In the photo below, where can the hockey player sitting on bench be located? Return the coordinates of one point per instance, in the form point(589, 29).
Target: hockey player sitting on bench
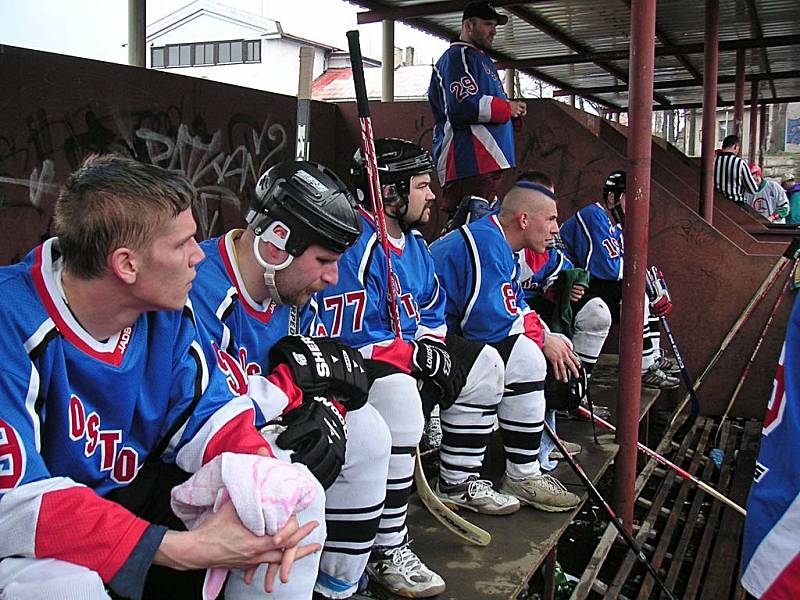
point(588, 325)
point(478, 267)
point(594, 241)
point(246, 294)
point(108, 403)
point(356, 310)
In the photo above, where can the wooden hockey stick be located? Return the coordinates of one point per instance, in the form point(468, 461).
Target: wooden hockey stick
point(593, 491)
point(671, 465)
point(761, 293)
point(746, 372)
point(458, 525)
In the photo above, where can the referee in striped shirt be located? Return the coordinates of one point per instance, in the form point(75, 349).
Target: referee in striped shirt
point(732, 177)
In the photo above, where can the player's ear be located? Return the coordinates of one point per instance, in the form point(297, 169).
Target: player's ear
point(124, 264)
point(271, 253)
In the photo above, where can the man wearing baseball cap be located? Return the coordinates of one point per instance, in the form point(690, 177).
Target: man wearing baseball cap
point(473, 138)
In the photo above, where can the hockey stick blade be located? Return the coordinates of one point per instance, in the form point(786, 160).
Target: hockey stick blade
point(458, 525)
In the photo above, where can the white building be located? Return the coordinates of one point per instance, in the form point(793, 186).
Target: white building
point(214, 41)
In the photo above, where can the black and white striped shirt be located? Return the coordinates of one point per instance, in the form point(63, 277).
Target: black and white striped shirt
point(732, 177)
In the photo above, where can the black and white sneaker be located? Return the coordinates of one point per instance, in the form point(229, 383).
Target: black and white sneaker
point(477, 495)
point(668, 365)
point(656, 378)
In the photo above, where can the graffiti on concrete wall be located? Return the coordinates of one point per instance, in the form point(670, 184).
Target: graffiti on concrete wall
point(223, 163)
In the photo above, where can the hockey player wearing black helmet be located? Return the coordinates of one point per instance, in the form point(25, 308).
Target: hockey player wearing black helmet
point(253, 290)
point(404, 170)
point(614, 196)
point(594, 240)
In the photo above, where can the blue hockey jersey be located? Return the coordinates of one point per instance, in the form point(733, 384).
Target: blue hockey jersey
point(594, 243)
point(79, 417)
point(473, 133)
point(356, 308)
point(480, 274)
point(237, 331)
point(541, 269)
point(771, 551)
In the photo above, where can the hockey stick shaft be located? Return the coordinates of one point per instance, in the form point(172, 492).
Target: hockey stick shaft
point(447, 517)
point(669, 464)
point(751, 360)
point(760, 294)
point(303, 142)
point(637, 550)
point(654, 281)
point(371, 166)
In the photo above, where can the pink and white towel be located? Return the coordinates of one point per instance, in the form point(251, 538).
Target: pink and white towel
point(265, 491)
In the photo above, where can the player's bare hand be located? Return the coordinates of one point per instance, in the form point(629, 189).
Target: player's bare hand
point(559, 352)
point(576, 293)
point(223, 541)
point(518, 108)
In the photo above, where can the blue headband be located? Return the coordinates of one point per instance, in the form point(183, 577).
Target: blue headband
point(536, 187)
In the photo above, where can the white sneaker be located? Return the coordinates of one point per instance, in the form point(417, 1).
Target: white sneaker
point(401, 572)
point(544, 492)
point(477, 495)
point(654, 377)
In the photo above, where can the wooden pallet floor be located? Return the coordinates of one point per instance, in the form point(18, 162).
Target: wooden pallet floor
point(692, 539)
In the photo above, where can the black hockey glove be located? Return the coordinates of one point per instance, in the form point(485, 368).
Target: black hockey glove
point(432, 363)
point(321, 365)
point(317, 435)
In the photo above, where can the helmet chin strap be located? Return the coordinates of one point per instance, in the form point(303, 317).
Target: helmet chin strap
point(270, 236)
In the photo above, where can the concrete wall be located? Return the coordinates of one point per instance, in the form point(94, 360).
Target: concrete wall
point(58, 110)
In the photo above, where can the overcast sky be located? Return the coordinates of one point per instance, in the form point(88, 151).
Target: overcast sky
point(98, 28)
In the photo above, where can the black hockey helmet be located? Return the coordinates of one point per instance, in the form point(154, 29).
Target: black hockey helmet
point(615, 183)
point(311, 201)
point(565, 396)
point(398, 161)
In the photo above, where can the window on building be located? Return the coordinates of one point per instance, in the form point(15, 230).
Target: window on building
point(253, 51)
point(205, 53)
point(157, 58)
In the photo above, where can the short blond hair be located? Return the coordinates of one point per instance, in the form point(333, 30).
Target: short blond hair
point(113, 202)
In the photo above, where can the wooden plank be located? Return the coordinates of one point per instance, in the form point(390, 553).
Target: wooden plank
point(589, 576)
point(692, 520)
point(646, 527)
point(672, 520)
point(520, 542)
point(722, 569)
point(712, 521)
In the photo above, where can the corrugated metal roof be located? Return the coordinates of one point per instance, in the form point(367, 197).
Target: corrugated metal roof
point(543, 29)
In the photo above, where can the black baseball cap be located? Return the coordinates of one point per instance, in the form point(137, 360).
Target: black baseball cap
point(483, 10)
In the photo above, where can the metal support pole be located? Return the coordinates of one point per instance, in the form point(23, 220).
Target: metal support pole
point(762, 134)
point(693, 132)
point(136, 33)
point(738, 100)
point(637, 209)
point(550, 574)
point(508, 82)
point(387, 66)
point(710, 65)
point(753, 121)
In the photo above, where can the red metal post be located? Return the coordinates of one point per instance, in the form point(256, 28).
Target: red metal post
point(753, 121)
point(637, 209)
point(762, 134)
point(710, 64)
point(738, 100)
